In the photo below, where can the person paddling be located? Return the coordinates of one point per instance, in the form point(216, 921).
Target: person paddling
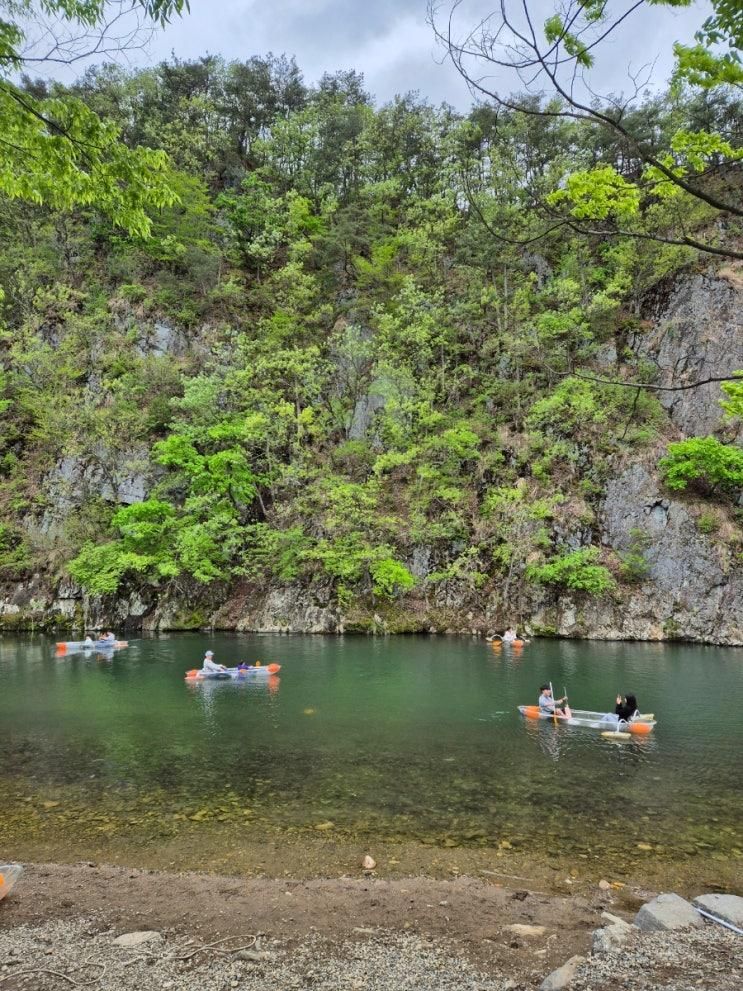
point(550, 705)
point(210, 665)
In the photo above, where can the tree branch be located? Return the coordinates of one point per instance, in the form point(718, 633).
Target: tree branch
point(650, 385)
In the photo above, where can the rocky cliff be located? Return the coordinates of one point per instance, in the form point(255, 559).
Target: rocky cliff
point(690, 586)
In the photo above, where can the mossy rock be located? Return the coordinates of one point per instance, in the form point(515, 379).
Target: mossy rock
point(543, 631)
point(38, 622)
point(358, 621)
point(196, 619)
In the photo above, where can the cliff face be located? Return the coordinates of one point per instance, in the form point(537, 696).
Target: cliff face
point(691, 585)
point(697, 333)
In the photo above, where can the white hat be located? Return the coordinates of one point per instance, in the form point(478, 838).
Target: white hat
point(209, 653)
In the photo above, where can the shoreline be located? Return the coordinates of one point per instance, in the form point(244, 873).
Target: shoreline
point(464, 908)
point(40, 629)
point(307, 858)
point(363, 933)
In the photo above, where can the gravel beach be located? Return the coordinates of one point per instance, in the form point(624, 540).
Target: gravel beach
point(59, 929)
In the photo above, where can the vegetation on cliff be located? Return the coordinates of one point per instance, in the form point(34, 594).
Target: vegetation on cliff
point(342, 349)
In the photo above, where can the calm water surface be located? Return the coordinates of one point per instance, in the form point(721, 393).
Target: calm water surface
point(407, 739)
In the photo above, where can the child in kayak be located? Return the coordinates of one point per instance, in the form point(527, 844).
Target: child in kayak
point(550, 705)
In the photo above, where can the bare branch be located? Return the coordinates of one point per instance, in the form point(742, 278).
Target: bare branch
point(649, 385)
point(523, 52)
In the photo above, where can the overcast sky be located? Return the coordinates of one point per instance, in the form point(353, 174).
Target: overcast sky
point(391, 43)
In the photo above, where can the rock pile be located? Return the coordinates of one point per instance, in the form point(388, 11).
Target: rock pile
point(669, 934)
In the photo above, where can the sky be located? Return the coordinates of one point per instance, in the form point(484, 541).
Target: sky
point(391, 42)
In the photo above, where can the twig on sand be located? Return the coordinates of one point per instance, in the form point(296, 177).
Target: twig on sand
point(512, 877)
point(216, 948)
point(58, 973)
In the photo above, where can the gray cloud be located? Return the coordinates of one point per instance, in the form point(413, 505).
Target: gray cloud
point(391, 43)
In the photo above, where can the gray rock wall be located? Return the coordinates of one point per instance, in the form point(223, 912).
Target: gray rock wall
point(693, 589)
point(697, 334)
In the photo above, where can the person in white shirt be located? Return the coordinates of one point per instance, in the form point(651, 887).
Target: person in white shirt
point(549, 705)
point(210, 665)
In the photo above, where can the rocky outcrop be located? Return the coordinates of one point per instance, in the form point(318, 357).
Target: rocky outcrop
point(697, 333)
point(288, 609)
point(667, 912)
point(693, 587)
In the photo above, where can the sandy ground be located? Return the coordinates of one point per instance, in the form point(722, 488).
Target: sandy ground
point(472, 912)
point(354, 933)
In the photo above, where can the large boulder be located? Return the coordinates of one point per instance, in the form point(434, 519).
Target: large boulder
point(667, 912)
point(729, 908)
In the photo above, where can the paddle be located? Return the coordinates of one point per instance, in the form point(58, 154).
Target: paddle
point(554, 706)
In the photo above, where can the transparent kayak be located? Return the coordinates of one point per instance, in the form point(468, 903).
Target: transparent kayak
point(72, 646)
point(234, 674)
point(9, 874)
point(642, 724)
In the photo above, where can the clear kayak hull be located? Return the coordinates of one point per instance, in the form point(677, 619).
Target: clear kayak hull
point(592, 720)
point(234, 674)
point(72, 646)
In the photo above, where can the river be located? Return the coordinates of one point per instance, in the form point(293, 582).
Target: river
point(407, 744)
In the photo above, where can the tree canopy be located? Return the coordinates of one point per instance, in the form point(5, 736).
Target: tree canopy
point(684, 172)
point(318, 367)
point(54, 149)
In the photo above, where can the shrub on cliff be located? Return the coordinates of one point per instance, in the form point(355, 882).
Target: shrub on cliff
point(576, 570)
point(705, 463)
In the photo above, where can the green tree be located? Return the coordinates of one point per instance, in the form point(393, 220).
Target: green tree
point(55, 150)
point(690, 170)
point(575, 570)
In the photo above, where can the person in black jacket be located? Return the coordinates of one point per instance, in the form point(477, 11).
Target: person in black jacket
point(627, 708)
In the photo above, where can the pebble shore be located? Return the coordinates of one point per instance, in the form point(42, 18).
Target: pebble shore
point(77, 953)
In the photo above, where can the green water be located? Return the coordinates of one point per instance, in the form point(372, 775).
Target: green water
point(399, 740)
